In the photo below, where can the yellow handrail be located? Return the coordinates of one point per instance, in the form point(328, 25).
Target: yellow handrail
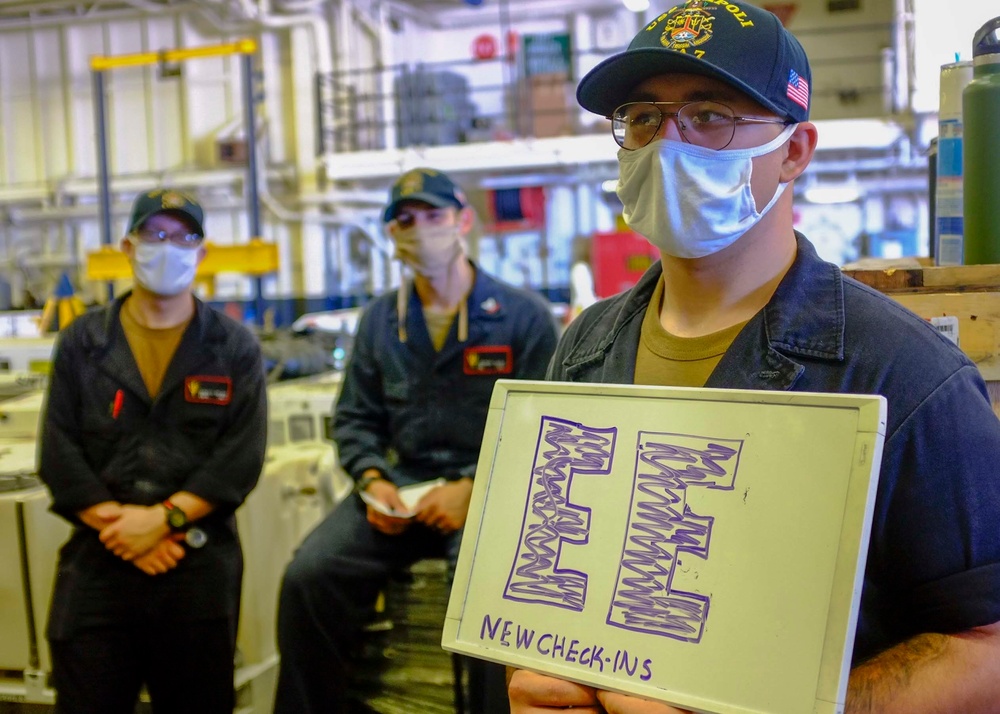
point(244, 46)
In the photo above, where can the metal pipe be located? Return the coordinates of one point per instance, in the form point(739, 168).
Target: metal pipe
point(21, 24)
point(85, 213)
point(508, 68)
point(184, 179)
point(103, 182)
point(253, 205)
point(524, 10)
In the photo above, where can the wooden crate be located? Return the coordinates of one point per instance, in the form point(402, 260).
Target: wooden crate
point(970, 293)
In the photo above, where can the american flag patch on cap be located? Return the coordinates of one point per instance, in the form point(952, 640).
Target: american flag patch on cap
point(798, 89)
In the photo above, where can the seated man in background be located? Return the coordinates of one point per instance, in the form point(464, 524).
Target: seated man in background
point(153, 434)
point(412, 409)
point(710, 107)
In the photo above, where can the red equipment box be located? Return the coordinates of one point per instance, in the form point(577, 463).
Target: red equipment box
point(618, 259)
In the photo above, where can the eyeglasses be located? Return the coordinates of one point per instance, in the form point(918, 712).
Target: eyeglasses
point(431, 216)
point(707, 124)
point(184, 240)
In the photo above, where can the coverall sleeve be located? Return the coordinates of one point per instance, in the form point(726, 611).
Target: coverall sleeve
point(360, 418)
point(62, 465)
point(232, 470)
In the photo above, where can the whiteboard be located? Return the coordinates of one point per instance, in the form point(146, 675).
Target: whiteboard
point(701, 547)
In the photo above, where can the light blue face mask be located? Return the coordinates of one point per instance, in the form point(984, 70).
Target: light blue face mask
point(690, 201)
point(163, 268)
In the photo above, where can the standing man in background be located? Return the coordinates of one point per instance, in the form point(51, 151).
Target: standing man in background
point(153, 434)
point(412, 409)
point(710, 107)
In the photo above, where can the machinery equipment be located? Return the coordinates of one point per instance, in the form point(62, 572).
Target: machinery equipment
point(30, 537)
point(26, 354)
point(301, 410)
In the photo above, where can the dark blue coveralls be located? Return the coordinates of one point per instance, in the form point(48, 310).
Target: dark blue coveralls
point(112, 627)
point(416, 415)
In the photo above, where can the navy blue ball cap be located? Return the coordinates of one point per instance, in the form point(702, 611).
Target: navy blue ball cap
point(735, 42)
point(427, 185)
point(166, 200)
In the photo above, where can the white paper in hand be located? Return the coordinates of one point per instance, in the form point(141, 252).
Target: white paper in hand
point(409, 495)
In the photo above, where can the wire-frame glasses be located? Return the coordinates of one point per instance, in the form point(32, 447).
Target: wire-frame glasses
point(711, 125)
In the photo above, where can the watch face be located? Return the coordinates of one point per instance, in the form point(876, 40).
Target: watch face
point(176, 518)
point(196, 538)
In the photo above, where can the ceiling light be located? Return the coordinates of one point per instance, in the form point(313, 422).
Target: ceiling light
point(636, 5)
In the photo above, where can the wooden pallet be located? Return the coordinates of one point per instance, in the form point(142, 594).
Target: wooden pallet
point(970, 293)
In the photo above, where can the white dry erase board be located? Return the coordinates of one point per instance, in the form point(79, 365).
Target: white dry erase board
point(697, 546)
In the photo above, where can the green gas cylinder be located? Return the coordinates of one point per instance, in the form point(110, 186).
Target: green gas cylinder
point(981, 157)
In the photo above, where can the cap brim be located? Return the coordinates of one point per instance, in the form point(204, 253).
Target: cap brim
point(609, 84)
point(184, 215)
point(431, 198)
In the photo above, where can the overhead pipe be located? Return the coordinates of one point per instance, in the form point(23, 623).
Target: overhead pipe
point(321, 50)
point(291, 6)
point(358, 197)
point(526, 10)
point(73, 186)
point(29, 23)
point(287, 215)
point(24, 217)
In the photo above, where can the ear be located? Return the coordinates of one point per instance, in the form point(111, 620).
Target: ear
point(126, 247)
point(202, 252)
point(466, 219)
point(801, 147)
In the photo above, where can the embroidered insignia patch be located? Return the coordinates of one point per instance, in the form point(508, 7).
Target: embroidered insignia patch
point(208, 390)
point(173, 199)
point(688, 27)
point(413, 182)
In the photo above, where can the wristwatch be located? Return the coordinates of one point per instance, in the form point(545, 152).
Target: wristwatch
point(366, 481)
point(176, 518)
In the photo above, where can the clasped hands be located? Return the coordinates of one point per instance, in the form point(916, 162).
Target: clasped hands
point(443, 508)
point(533, 693)
point(136, 534)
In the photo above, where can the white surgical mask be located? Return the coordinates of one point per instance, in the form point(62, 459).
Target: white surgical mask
point(429, 250)
point(163, 268)
point(690, 201)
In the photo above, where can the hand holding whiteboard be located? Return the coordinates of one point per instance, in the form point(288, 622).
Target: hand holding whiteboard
point(699, 547)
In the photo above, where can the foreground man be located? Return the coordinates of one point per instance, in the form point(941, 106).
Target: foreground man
point(709, 105)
